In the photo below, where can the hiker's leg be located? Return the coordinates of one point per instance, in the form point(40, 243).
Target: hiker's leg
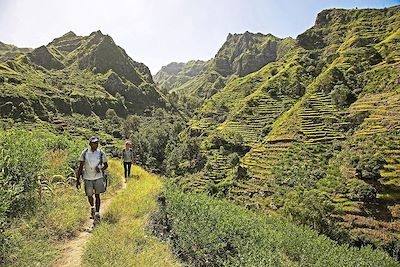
point(125, 169)
point(91, 201)
point(97, 202)
point(129, 168)
point(89, 191)
point(99, 188)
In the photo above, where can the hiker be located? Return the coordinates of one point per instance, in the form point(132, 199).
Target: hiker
point(93, 163)
point(127, 159)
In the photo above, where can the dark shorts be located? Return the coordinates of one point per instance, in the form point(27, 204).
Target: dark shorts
point(94, 187)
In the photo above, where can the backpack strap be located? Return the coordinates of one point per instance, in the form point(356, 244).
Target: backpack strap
point(101, 156)
point(84, 154)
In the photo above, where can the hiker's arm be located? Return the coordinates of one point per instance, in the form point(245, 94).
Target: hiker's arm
point(78, 174)
point(79, 171)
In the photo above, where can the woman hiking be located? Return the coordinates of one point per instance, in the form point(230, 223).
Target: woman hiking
point(127, 159)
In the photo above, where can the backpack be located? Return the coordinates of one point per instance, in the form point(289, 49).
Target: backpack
point(105, 178)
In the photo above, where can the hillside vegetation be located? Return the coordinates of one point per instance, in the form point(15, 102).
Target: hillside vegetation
point(312, 135)
point(206, 231)
point(76, 75)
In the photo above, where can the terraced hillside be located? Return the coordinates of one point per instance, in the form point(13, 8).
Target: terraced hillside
point(317, 129)
point(75, 75)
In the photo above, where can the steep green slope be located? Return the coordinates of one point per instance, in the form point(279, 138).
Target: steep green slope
point(76, 75)
point(314, 135)
point(175, 74)
point(240, 55)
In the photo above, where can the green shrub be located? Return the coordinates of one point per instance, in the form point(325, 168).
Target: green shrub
point(360, 190)
point(369, 166)
point(310, 207)
point(209, 232)
point(21, 163)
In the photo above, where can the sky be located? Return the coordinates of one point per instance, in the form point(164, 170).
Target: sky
point(157, 32)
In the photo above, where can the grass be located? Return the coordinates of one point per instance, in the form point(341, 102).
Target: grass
point(122, 238)
point(34, 238)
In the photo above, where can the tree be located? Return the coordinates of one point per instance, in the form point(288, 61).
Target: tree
point(369, 166)
point(342, 96)
point(309, 207)
point(130, 125)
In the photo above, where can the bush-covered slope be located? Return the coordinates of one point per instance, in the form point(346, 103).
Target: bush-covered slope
point(75, 74)
point(206, 231)
point(314, 134)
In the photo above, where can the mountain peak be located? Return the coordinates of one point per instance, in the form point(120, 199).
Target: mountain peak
point(97, 33)
point(69, 34)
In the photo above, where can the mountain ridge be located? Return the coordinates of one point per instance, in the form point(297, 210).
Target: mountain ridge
point(75, 74)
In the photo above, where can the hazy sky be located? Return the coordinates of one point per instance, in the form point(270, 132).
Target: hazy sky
point(157, 32)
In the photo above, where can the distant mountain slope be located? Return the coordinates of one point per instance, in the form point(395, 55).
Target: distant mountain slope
point(9, 51)
point(76, 74)
point(320, 124)
point(175, 74)
point(240, 55)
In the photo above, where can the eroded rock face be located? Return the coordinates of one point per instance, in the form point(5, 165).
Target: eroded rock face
point(245, 53)
point(114, 84)
point(41, 56)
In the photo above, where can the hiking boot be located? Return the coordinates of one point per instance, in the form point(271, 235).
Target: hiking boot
point(92, 211)
point(97, 218)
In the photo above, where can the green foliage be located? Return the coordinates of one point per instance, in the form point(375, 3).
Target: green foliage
point(360, 190)
point(34, 165)
point(150, 141)
point(309, 207)
point(369, 166)
point(22, 162)
point(130, 125)
point(183, 158)
point(302, 165)
point(207, 231)
point(342, 96)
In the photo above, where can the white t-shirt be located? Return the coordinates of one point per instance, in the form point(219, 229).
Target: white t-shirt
point(92, 159)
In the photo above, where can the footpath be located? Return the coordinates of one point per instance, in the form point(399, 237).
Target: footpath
point(123, 237)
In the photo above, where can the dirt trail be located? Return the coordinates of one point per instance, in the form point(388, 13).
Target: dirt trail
point(73, 249)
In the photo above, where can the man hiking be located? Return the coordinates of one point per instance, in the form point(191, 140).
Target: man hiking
point(93, 163)
point(127, 159)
